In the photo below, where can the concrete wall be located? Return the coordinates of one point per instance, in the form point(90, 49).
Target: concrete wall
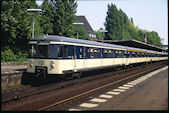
point(11, 80)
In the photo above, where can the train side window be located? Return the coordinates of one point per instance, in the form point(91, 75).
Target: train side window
point(116, 54)
point(96, 53)
point(99, 53)
point(63, 51)
point(125, 54)
point(128, 54)
point(136, 54)
point(122, 54)
point(60, 54)
point(119, 53)
point(108, 53)
point(79, 52)
point(70, 51)
point(142, 54)
point(104, 53)
point(87, 52)
point(112, 53)
point(91, 52)
point(132, 54)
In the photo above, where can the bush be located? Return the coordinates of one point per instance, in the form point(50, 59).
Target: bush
point(21, 56)
point(7, 55)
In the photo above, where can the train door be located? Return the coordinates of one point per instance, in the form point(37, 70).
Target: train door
point(128, 57)
point(79, 61)
point(74, 57)
point(84, 57)
point(125, 57)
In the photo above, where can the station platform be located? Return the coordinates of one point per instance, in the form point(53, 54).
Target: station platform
point(12, 68)
point(150, 92)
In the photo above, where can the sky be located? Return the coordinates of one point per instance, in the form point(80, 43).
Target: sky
point(150, 15)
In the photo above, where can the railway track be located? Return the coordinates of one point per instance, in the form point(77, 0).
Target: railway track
point(75, 95)
point(29, 91)
point(93, 91)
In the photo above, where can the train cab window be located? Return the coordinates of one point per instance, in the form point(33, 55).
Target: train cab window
point(42, 51)
point(52, 51)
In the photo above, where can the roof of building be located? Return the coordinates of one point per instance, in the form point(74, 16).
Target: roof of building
point(136, 44)
point(80, 41)
point(86, 25)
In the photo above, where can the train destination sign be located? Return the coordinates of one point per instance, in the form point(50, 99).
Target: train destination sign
point(43, 43)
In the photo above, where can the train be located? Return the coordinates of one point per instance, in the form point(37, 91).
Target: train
point(59, 55)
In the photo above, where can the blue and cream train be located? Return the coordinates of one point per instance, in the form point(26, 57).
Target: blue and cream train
point(53, 54)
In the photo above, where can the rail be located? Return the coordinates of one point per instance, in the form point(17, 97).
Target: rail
point(65, 101)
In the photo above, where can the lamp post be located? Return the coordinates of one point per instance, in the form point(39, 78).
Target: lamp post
point(33, 10)
point(77, 27)
point(104, 31)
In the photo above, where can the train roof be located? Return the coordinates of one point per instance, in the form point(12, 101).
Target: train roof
point(80, 41)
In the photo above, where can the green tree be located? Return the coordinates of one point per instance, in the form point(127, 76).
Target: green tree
point(100, 35)
point(81, 33)
point(47, 17)
point(153, 38)
point(16, 26)
point(64, 17)
point(120, 27)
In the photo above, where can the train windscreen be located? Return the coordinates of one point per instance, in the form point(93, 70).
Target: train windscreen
point(46, 51)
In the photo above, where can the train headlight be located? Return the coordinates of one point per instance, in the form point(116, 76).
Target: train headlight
point(51, 64)
point(31, 63)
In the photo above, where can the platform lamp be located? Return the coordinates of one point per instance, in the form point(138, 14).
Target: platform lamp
point(104, 31)
point(77, 27)
point(33, 10)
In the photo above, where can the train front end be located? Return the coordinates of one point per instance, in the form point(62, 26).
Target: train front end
point(42, 59)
